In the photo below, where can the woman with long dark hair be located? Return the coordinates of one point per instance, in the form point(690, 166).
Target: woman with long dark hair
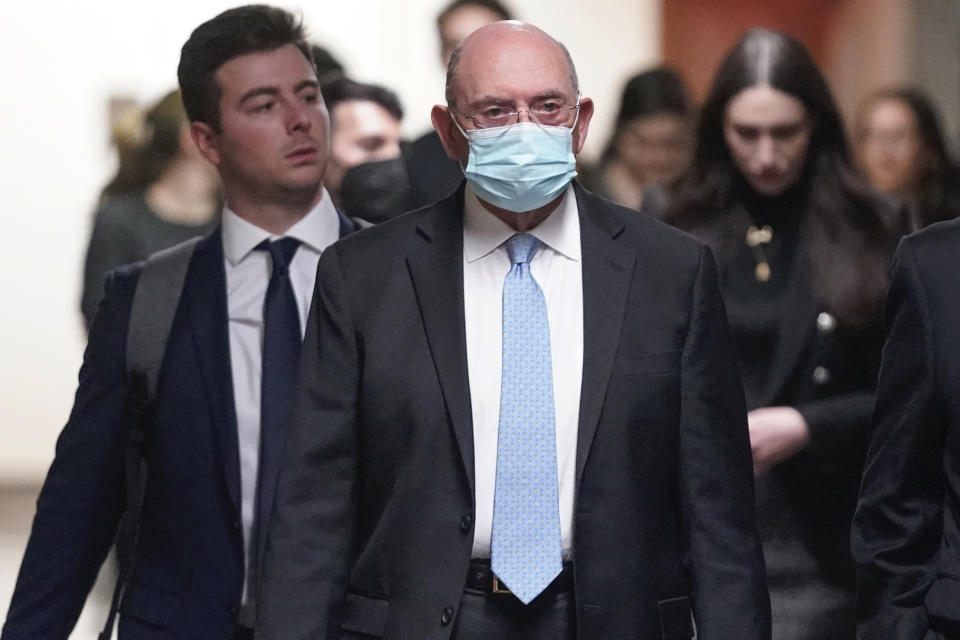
point(163, 193)
point(802, 246)
point(651, 143)
point(901, 149)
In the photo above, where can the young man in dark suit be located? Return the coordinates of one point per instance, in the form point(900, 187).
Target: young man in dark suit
point(906, 531)
point(519, 416)
point(223, 397)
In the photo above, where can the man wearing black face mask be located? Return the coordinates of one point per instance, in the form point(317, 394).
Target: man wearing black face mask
point(365, 128)
point(374, 192)
point(524, 423)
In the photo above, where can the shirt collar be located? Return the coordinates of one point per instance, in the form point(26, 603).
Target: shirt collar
point(484, 232)
point(317, 230)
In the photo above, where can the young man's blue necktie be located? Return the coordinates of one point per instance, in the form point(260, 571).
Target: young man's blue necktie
point(281, 354)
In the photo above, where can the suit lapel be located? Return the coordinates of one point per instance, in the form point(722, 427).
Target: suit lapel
point(607, 273)
point(436, 268)
point(205, 293)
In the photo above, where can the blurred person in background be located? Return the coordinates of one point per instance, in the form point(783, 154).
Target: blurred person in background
point(213, 433)
point(164, 192)
point(900, 148)
point(433, 174)
point(376, 191)
point(802, 246)
point(652, 143)
point(329, 68)
point(365, 138)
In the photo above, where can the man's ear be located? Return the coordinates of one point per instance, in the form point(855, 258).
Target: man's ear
point(205, 138)
point(583, 124)
point(186, 144)
point(451, 138)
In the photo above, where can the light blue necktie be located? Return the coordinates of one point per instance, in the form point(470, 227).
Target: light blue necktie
point(525, 546)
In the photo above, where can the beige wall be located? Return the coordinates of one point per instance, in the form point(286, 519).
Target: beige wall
point(936, 60)
point(871, 44)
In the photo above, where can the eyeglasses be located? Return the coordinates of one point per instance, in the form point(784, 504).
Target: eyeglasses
point(550, 112)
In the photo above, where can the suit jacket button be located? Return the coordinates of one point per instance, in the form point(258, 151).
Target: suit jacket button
point(446, 616)
point(232, 612)
point(466, 521)
point(826, 323)
point(821, 375)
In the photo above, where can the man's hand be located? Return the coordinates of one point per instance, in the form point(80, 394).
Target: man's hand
point(776, 433)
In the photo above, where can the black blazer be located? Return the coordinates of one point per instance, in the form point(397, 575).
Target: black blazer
point(189, 561)
point(906, 533)
point(373, 525)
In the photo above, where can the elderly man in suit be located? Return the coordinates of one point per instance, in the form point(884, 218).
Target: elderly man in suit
point(906, 531)
point(518, 416)
point(223, 397)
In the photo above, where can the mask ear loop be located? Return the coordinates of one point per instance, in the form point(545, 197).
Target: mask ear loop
point(457, 124)
point(576, 116)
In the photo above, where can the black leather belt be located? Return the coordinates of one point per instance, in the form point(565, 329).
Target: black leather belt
point(481, 578)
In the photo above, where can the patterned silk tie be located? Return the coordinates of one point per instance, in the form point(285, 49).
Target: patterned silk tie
point(525, 546)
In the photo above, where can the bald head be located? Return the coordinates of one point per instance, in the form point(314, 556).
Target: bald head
point(509, 68)
point(509, 49)
point(507, 73)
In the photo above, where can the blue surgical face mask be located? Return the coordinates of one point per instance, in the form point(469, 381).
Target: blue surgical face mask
point(520, 167)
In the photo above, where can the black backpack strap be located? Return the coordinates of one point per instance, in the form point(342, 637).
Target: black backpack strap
point(155, 303)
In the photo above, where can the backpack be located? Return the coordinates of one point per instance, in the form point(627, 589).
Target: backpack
point(155, 303)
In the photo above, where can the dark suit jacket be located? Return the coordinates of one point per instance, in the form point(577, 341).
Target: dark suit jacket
point(189, 561)
point(906, 534)
point(374, 512)
point(433, 174)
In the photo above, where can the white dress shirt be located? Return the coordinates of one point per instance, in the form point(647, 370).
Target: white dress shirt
point(248, 274)
point(556, 267)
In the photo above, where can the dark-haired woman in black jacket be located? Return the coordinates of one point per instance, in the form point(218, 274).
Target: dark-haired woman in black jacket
point(803, 248)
